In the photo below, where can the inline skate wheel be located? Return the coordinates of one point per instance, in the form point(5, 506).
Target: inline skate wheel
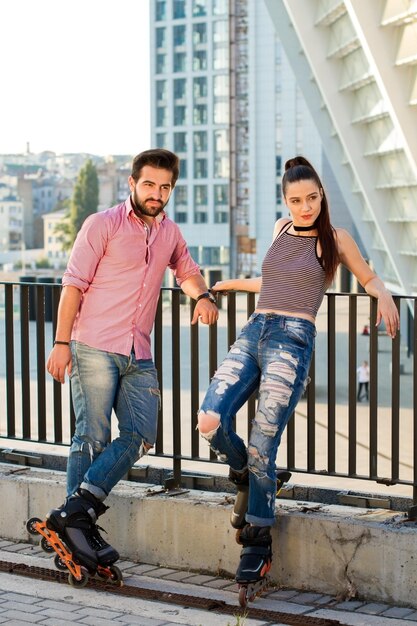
point(116, 576)
point(243, 597)
point(78, 583)
point(30, 525)
point(60, 564)
point(46, 547)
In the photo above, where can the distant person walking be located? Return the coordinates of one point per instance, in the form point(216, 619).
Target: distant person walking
point(111, 289)
point(363, 381)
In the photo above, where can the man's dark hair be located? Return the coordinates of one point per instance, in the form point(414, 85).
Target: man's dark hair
point(157, 157)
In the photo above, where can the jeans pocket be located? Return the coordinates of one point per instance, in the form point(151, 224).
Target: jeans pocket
point(299, 332)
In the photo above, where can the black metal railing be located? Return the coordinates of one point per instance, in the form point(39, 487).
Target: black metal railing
point(331, 433)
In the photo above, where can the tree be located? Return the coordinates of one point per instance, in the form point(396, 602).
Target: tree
point(84, 201)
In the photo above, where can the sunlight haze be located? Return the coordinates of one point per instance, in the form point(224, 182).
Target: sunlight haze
point(75, 76)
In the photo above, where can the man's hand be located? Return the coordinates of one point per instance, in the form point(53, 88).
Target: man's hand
point(59, 361)
point(205, 311)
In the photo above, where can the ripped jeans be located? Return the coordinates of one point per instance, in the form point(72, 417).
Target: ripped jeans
point(100, 382)
point(271, 355)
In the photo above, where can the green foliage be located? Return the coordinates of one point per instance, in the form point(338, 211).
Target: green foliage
point(84, 201)
point(43, 263)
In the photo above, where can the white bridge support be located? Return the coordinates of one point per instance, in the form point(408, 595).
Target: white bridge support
point(357, 65)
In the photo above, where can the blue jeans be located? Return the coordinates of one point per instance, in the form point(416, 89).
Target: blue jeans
point(273, 355)
point(100, 382)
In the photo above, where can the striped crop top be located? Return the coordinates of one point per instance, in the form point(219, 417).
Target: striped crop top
point(293, 278)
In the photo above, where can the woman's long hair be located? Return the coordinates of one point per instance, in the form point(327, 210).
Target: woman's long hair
point(297, 169)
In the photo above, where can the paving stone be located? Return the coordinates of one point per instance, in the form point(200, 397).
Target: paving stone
point(218, 583)
point(12, 605)
point(143, 568)
point(306, 598)
point(22, 618)
point(51, 621)
point(200, 579)
point(55, 604)
point(349, 605)
point(141, 620)
point(17, 547)
point(179, 575)
point(103, 613)
point(283, 594)
point(412, 617)
point(98, 621)
point(398, 611)
point(374, 608)
point(161, 572)
point(331, 600)
point(18, 597)
point(62, 614)
point(4, 543)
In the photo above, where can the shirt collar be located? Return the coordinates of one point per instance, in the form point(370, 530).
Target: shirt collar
point(129, 209)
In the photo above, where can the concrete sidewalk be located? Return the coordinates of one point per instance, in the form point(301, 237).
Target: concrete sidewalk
point(26, 600)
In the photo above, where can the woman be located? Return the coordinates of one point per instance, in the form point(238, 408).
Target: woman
point(273, 352)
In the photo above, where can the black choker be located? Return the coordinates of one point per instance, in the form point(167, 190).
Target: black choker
point(303, 228)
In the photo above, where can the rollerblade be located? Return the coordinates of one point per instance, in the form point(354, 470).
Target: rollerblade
point(241, 480)
point(255, 562)
point(72, 533)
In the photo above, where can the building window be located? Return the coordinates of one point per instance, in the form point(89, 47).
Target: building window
point(161, 116)
point(278, 165)
point(161, 10)
point(200, 141)
point(200, 33)
point(221, 113)
point(200, 87)
point(221, 85)
point(161, 63)
point(201, 196)
point(160, 37)
point(179, 61)
point(181, 217)
point(179, 115)
point(179, 35)
point(221, 31)
point(279, 193)
point(161, 140)
point(221, 204)
point(200, 217)
point(200, 168)
point(161, 90)
point(220, 7)
point(220, 56)
point(199, 8)
point(221, 141)
point(199, 60)
point(180, 142)
point(179, 9)
point(180, 88)
point(184, 168)
point(221, 167)
point(200, 114)
point(181, 197)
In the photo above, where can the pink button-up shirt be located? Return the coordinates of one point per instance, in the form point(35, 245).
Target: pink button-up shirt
point(119, 266)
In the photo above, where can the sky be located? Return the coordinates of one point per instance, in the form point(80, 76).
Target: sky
point(74, 76)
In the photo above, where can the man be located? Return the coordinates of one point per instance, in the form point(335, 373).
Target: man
point(107, 308)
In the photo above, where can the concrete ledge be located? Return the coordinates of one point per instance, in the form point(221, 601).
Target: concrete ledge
point(340, 550)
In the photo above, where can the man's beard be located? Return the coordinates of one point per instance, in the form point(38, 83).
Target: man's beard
point(142, 209)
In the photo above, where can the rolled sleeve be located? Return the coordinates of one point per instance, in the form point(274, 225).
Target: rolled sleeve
point(182, 264)
point(88, 249)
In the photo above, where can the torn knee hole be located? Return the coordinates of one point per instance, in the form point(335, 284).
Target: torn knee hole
point(208, 423)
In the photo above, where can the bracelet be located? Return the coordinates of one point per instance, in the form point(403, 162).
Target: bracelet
point(207, 295)
point(61, 343)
